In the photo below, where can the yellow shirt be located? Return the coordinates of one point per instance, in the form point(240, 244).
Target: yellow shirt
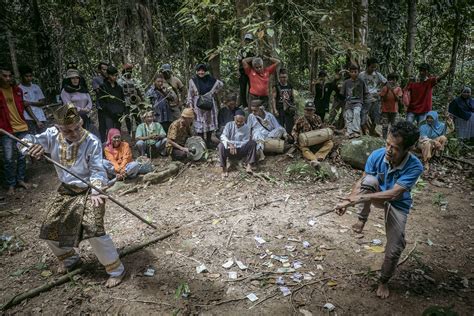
point(16, 122)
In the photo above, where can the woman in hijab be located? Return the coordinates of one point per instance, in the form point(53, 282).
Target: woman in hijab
point(432, 138)
point(76, 93)
point(462, 108)
point(201, 98)
point(118, 160)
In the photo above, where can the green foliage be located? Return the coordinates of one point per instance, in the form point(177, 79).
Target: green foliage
point(301, 170)
point(182, 290)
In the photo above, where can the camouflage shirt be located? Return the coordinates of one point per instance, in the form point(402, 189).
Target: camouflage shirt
point(303, 125)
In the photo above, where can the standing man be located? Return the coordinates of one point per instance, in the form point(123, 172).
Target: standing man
point(97, 81)
point(390, 174)
point(12, 121)
point(112, 100)
point(77, 213)
point(284, 101)
point(259, 77)
point(246, 51)
point(33, 97)
point(374, 80)
point(323, 90)
point(132, 94)
point(355, 93)
point(173, 82)
point(421, 93)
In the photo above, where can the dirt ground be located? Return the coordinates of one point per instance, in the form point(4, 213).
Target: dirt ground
point(220, 220)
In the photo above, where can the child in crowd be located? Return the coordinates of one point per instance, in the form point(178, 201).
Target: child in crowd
point(391, 95)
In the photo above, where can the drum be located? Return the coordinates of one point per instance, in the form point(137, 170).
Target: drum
point(197, 147)
point(315, 137)
point(274, 146)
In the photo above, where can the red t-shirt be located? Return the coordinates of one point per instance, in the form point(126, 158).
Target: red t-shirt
point(420, 95)
point(389, 100)
point(259, 82)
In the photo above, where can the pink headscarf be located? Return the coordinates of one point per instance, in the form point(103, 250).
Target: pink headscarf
point(111, 133)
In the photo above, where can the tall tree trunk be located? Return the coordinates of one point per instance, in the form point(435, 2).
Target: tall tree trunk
point(314, 68)
point(411, 36)
point(215, 59)
point(11, 46)
point(457, 34)
point(47, 57)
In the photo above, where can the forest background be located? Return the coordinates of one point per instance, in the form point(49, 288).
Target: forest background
point(306, 35)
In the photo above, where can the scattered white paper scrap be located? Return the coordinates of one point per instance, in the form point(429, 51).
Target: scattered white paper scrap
point(306, 244)
point(329, 307)
point(279, 237)
point(429, 242)
point(241, 265)
point(319, 267)
point(263, 255)
point(286, 291)
point(290, 248)
point(297, 264)
point(378, 225)
point(232, 275)
point(228, 264)
point(260, 240)
point(202, 268)
point(252, 297)
point(280, 281)
point(285, 270)
point(149, 272)
point(376, 242)
point(311, 222)
point(307, 277)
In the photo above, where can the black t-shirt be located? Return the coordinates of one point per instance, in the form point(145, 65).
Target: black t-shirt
point(111, 99)
point(284, 92)
point(322, 94)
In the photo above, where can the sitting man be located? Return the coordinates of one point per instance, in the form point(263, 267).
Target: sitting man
point(150, 135)
point(118, 160)
point(236, 142)
point(390, 173)
point(178, 133)
point(263, 125)
point(76, 213)
point(309, 122)
point(227, 113)
point(432, 138)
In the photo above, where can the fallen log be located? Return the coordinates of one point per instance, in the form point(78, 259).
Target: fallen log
point(15, 300)
point(160, 176)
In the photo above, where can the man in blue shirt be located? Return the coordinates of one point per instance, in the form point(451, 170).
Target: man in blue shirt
point(390, 173)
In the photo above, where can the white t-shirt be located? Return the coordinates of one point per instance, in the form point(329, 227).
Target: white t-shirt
point(374, 82)
point(33, 93)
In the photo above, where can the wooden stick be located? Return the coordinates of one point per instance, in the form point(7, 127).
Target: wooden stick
point(68, 277)
point(232, 231)
point(458, 160)
point(90, 185)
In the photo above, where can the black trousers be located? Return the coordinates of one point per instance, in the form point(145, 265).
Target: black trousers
point(244, 88)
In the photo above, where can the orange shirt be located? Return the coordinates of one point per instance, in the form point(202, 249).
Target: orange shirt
point(389, 99)
point(16, 122)
point(121, 157)
point(259, 82)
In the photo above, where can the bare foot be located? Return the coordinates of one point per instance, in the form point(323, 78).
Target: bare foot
point(114, 281)
point(315, 163)
point(23, 184)
point(248, 169)
point(224, 173)
point(358, 227)
point(11, 191)
point(383, 291)
point(63, 270)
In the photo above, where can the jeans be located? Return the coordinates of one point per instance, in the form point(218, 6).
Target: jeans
point(160, 146)
point(352, 115)
point(131, 169)
point(395, 222)
point(12, 176)
point(418, 117)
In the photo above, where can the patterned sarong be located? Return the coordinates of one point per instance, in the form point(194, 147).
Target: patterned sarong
point(71, 217)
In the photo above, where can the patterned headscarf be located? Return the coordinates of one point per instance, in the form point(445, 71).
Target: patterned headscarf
point(110, 135)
